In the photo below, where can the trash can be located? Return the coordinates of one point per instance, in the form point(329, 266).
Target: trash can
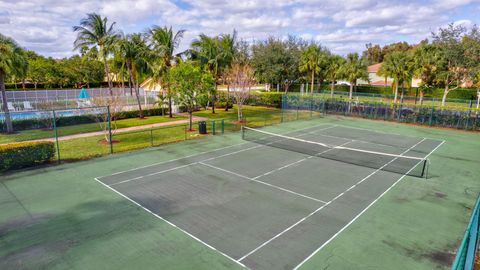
point(202, 127)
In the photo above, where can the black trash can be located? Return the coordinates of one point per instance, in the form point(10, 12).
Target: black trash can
point(202, 127)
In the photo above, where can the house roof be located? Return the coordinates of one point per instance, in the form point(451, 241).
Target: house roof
point(374, 68)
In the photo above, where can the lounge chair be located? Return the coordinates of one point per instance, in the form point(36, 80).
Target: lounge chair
point(27, 105)
point(10, 106)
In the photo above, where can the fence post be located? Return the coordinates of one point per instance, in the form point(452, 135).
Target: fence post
point(431, 116)
point(109, 129)
point(151, 137)
point(56, 134)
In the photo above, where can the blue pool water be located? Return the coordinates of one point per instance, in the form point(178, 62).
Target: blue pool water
point(36, 114)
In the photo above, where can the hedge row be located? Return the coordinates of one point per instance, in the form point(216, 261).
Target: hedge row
point(25, 154)
point(462, 93)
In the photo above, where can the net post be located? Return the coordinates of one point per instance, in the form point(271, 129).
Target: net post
point(243, 132)
point(56, 135)
point(424, 169)
point(213, 127)
point(223, 126)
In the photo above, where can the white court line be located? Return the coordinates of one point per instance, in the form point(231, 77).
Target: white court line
point(193, 163)
point(170, 223)
point(359, 214)
point(201, 153)
point(263, 183)
point(323, 206)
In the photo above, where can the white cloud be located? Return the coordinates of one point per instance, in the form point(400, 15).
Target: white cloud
point(344, 26)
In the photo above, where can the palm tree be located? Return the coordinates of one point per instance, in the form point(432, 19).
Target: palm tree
point(425, 59)
point(355, 68)
point(229, 50)
point(94, 31)
point(163, 42)
point(208, 51)
point(397, 65)
point(12, 62)
point(134, 52)
point(334, 70)
point(310, 61)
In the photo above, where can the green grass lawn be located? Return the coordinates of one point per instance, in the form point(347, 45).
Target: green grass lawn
point(36, 134)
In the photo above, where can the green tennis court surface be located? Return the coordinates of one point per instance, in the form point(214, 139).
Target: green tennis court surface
point(253, 202)
point(268, 202)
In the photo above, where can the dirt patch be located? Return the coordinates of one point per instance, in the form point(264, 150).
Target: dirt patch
point(103, 141)
point(237, 122)
point(440, 195)
point(442, 257)
point(22, 223)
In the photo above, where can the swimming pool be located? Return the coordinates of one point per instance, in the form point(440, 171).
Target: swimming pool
point(25, 115)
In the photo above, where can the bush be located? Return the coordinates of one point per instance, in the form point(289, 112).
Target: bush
point(269, 99)
point(25, 154)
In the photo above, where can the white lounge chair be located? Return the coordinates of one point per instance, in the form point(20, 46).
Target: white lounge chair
point(27, 105)
point(10, 106)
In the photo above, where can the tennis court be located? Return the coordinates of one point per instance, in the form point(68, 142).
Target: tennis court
point(275, 200)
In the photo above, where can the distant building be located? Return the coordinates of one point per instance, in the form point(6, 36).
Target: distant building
point(377, 80)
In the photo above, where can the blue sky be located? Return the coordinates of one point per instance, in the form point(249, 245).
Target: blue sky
point(343, 26)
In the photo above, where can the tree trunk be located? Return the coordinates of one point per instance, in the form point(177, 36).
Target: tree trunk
point(190, 116)
point(332, 88)
point(445, 93)
point(107, 72)
point(23, 84)
point(35, 85)
point(213, 99)
point(313, 82)
point(396, 92)
point(350, 95)
point(135, 85)
point(8, 119)
point(228, 98)
point(130, 85)
point(239, 111)
point(421, 97)
point(170, 114)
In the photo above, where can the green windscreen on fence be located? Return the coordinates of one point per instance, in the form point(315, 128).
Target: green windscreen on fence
point(466, 253)
point(467, 117)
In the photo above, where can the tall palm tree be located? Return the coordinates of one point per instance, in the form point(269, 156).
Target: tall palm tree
point(425, 59)
point(397, 65)
point(208, 51)
point(310, 61)
point(229, 50)
point(334, 70)
point(355, 68)
point(95, 31)
point(12, 62)
point(134, 52)
point(163, 42)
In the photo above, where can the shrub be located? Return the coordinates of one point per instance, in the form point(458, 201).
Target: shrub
point(25, 154)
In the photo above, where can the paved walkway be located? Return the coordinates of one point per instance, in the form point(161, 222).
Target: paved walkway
point(127, 129)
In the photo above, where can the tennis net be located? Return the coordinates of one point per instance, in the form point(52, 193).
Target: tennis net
point(413, 166)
